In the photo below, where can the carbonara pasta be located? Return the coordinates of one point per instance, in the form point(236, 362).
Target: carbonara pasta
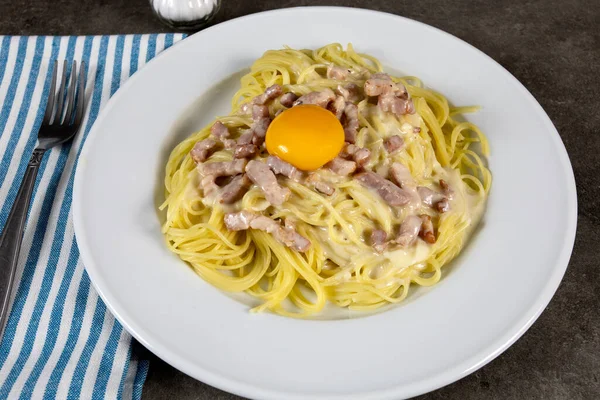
point(329, 181)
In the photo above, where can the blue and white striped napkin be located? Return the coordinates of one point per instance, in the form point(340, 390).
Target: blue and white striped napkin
point(60, 340)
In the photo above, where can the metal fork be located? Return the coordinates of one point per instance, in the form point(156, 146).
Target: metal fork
point(59, 125)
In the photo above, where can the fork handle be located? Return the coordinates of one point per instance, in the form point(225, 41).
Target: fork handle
point(12, 234)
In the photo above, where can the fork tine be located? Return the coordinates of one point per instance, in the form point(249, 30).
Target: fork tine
point(71, 94)
point(50, 101)
point(61, 95)
point(80, 95)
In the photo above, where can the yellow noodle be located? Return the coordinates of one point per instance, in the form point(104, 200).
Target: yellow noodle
point(340, 266)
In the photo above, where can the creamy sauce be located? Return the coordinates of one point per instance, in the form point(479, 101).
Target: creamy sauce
point(406, 128)
point(260, 205)
point(192, 191)
point(342, 255)
point(412, 119)
point(404, 257)
point(464, 201)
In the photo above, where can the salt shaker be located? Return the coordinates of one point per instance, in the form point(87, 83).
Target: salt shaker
point(185, 14)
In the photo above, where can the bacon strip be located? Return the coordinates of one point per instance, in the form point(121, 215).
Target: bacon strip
point(390, 193)
point(265, 179)
point(286, 235)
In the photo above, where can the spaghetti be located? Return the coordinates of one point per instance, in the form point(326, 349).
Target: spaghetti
point(341, 265)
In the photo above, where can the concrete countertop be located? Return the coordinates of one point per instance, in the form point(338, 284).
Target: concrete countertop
point(553, 48)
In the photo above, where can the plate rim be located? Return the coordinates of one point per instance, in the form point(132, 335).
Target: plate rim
point(460, 370)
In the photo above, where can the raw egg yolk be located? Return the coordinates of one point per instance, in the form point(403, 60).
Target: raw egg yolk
point(307, 136)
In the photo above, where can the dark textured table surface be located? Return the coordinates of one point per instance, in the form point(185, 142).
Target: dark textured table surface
point(553, 48)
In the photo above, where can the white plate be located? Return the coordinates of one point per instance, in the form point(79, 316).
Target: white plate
point(485, 301)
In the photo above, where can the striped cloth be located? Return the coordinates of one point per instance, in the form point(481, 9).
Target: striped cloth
point(60, 340)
